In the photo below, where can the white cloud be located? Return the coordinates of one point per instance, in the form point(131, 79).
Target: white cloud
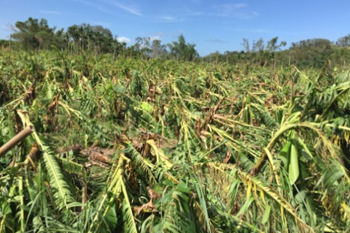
point(267, 31)
point(123, 39)
point(229, 8)
point(156, 37)
point(235, 11)
point(168, 18)
point(239, 5)
point(132, 10)
point(7, 27)
point(161, 35)
point(95, 6)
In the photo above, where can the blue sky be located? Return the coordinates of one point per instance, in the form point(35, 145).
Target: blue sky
point(211, 25)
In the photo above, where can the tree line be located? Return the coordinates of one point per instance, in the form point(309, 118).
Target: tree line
point(34, 34)
point(306, 53)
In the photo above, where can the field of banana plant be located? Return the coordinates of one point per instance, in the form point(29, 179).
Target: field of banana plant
point(133, 145)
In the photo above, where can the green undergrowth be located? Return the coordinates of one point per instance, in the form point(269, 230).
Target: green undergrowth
point(191, 147)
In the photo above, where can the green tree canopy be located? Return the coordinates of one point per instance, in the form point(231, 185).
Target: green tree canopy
point(182, 50)
point(314, 52)
point(343, 41)
point(35, 34)
point(87, 37)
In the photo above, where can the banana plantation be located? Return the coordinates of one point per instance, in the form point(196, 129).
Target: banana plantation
point(132, 145)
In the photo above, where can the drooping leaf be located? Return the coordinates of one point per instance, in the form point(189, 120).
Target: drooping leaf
point(293, 168)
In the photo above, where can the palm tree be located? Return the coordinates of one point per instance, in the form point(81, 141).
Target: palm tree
point(183, 51)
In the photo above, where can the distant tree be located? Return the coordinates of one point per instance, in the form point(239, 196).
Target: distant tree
point(232, 57)
point(73, 34)
point(215, 57)
point(272, 45)
point(158, 50)
point(258, 46)
point(316, 43)
point(343, 41)
point(311, 52)
point(182, 50)
point(148, 48)
point(143, 46)
point(35, 34)
point(91, 38)
point(102, 39)
point(61, 39)
point(260, 54)
point(119, 48)
point(246, 45)
point(4, 43)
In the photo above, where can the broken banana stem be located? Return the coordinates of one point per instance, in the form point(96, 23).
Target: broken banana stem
point(16, 139)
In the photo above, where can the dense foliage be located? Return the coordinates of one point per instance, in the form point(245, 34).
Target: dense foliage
point(165, 146)
point(311, 53)
point(34, 35)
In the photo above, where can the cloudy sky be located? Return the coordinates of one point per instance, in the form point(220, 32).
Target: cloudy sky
point(212, 25)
